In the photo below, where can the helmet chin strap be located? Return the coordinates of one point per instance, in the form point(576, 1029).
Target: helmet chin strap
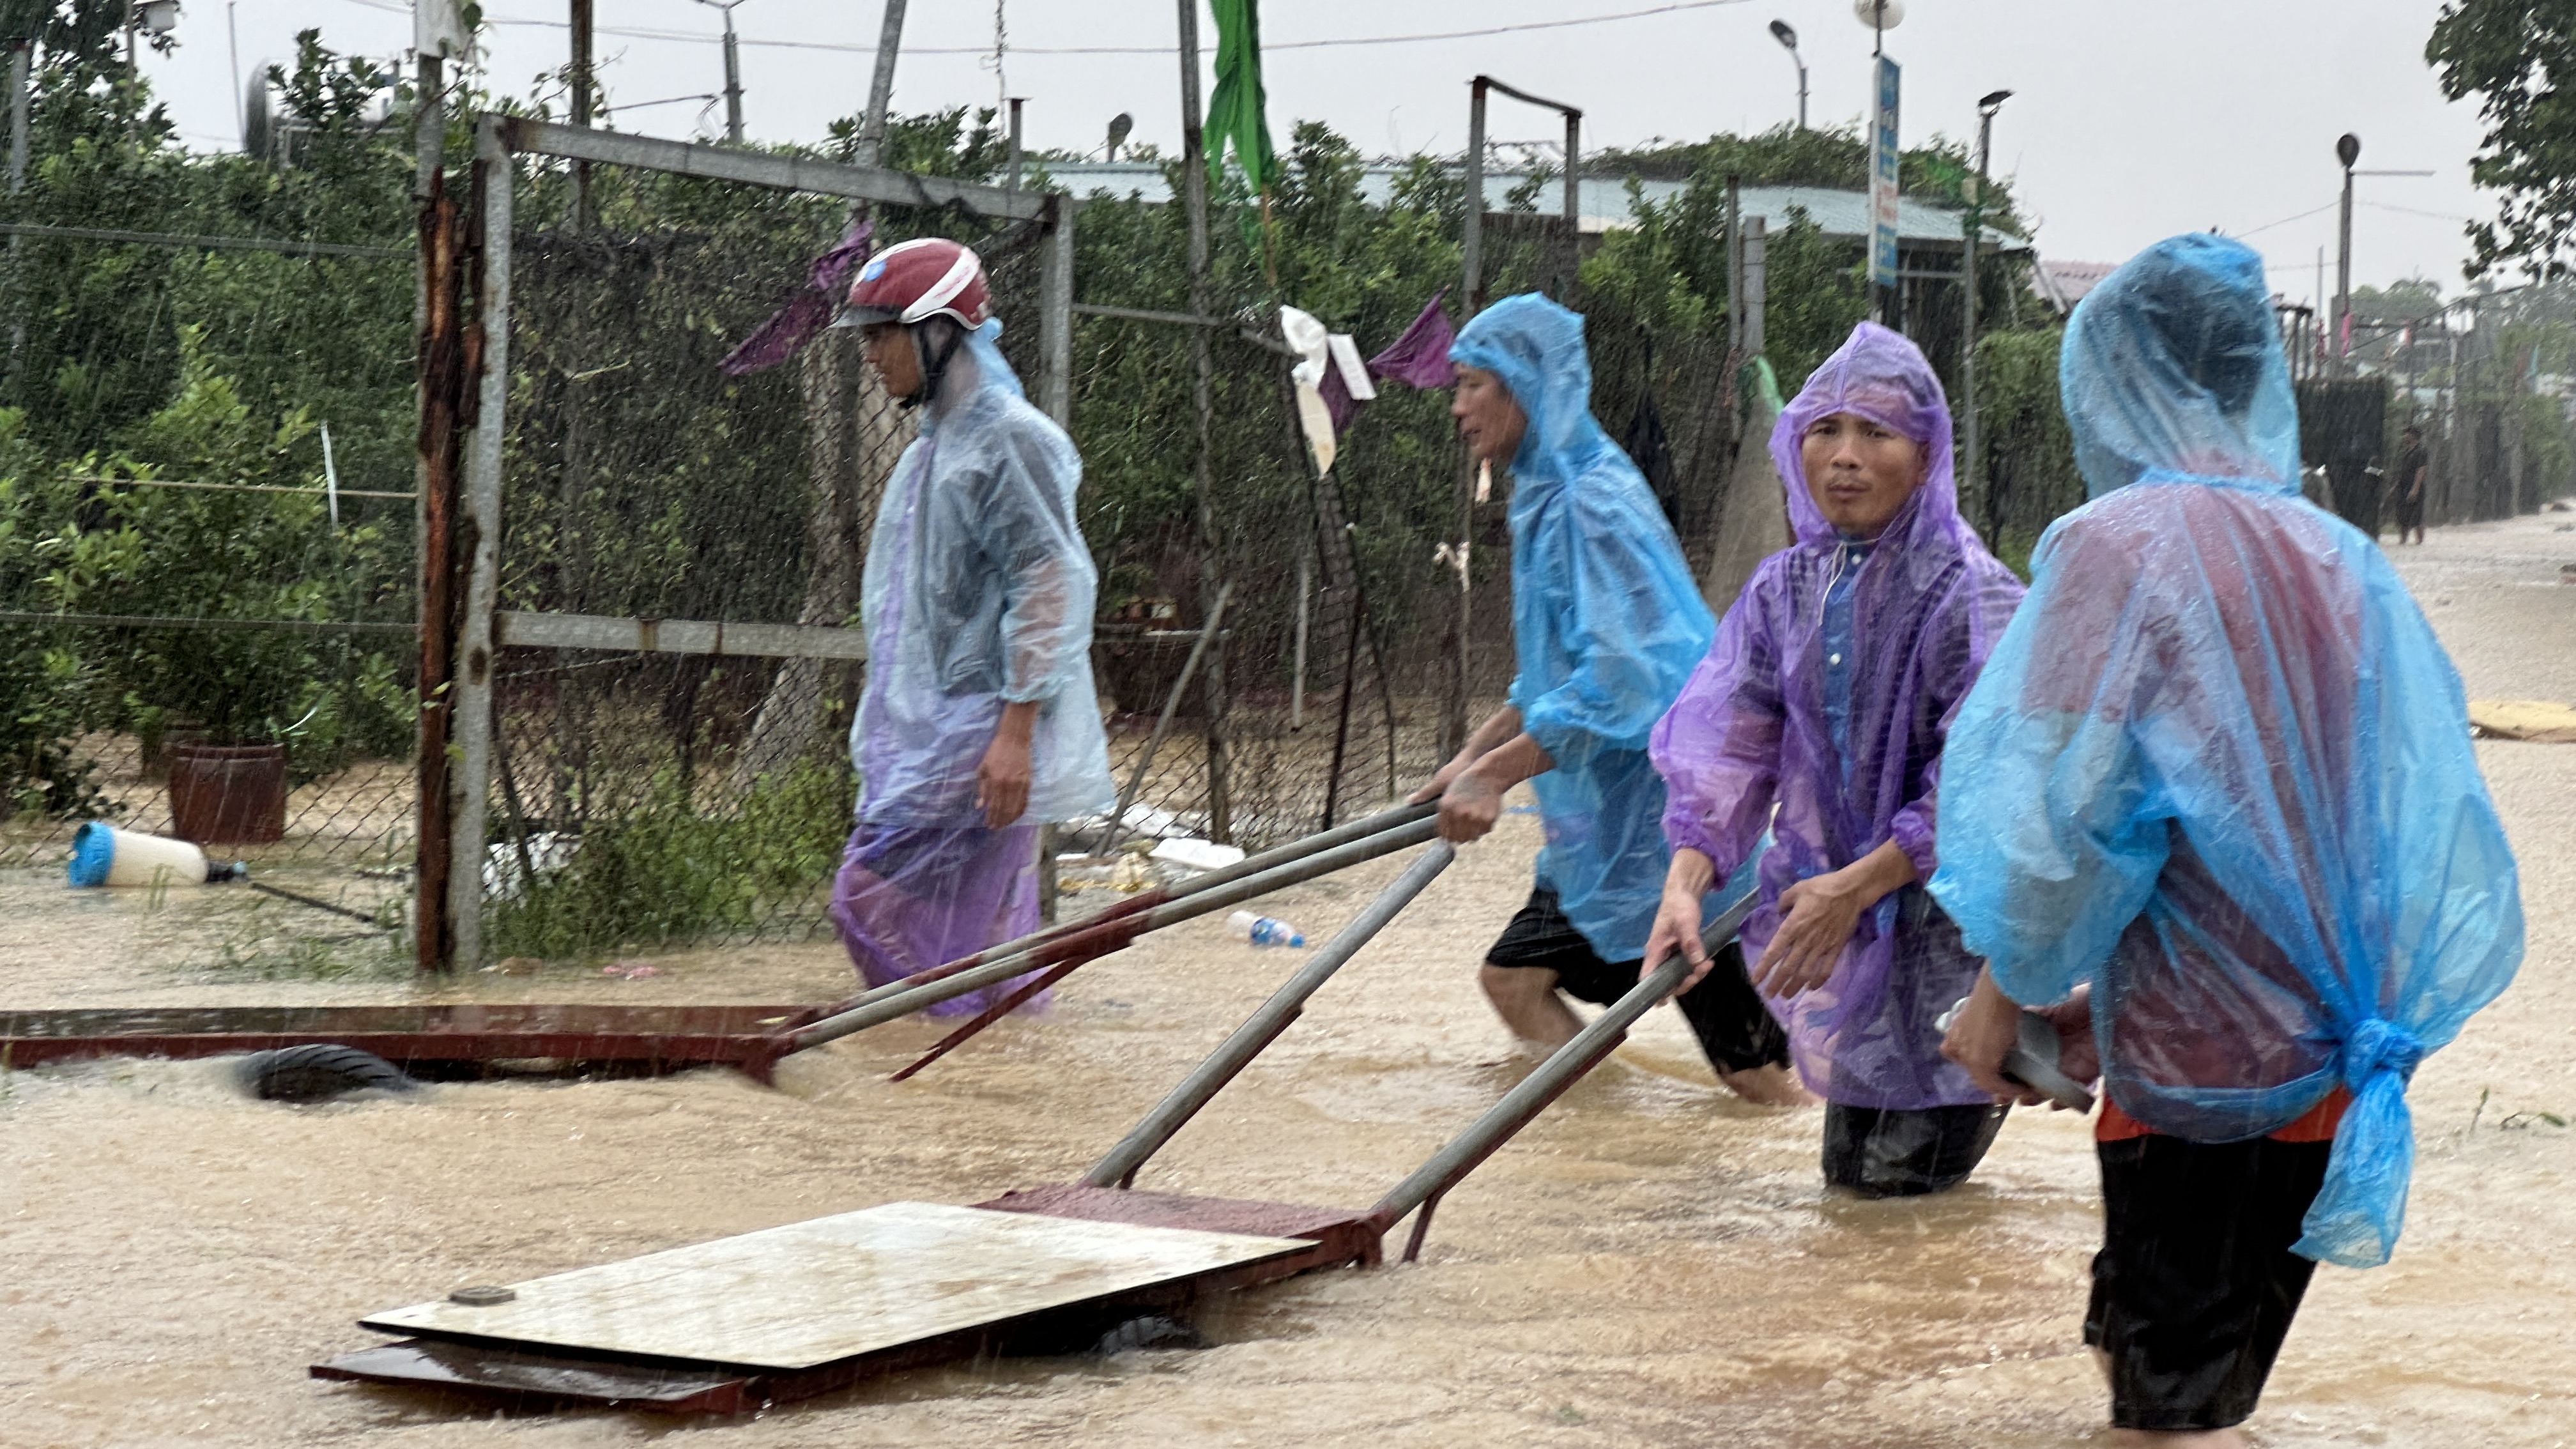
point(934, 362)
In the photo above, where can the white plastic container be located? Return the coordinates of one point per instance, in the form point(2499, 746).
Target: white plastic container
point(103, 855)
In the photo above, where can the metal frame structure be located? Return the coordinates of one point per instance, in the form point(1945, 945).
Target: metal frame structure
point(1454, 724)
point(463, 541)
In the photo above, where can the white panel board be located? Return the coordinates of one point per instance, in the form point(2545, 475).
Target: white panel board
point(812, 1293)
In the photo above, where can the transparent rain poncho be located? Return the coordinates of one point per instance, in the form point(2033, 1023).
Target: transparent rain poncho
point(1606, 623)
point(978, 592)
point(2218, 766)
point(1827, 693)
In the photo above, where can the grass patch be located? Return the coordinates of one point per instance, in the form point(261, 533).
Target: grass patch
point(669, 873)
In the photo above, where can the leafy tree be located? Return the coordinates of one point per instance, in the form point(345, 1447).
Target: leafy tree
point(2519, 58)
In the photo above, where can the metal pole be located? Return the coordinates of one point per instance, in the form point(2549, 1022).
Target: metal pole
point(1573, 205)
point(1244, 869)
point(1106, 936)
point(881, 86)
point(1013, 184)
point(733, 83)
point(1757, 283)
point(1596, 1040)
point(441, 361)
point(1471, 230)
point(1802, 88)
point(1735, 267)
point(1972, 461)
point(2347, 150)
point(1471, 257)
point(1265, 1025)
point(1203, 406)
point(1297, 650)
point(1055, 312)
point(478, 530)
point(582, 215)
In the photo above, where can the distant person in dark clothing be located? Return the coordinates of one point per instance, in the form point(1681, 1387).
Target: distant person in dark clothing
point(2408, 481)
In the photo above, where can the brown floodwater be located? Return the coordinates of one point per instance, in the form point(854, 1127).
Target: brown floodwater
point(1651, 1263)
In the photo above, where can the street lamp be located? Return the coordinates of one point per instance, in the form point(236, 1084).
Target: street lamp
point(2347, 150)
point(1788, 39)
point(157, 17)
point(1971, 454)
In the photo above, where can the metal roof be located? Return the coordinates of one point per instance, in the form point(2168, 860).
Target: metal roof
point(1601, 200)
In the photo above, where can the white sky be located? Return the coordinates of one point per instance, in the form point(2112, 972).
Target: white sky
point(2130, 121)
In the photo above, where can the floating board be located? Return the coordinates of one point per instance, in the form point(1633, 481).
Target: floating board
point(808, 1294)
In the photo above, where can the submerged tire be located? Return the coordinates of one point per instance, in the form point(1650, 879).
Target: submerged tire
point(318, 1072)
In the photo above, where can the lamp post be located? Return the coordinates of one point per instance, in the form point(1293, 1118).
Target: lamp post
point(2347, 150)
point(1972, 455)
point(1788, 38)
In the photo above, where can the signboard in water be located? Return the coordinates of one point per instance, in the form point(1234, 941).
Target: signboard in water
point(1882, 179)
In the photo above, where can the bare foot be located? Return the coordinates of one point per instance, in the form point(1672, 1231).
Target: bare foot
point(1772, 1085)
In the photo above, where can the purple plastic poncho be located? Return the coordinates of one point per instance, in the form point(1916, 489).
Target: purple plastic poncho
point(978, 593)
point(1828, 693)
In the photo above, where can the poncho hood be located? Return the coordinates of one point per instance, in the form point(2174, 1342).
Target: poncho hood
point(2172, 369)
point(1536, 348)
point(1878, 375)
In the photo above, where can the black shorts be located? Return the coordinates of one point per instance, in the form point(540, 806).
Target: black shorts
point(1736, 1030)
point(2195, 1285)
point(1906, 1152)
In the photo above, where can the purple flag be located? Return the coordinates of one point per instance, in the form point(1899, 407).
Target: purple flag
point(805, 314)
point(1420, 358)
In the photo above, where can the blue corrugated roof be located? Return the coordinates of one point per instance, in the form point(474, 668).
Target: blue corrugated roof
point(1602, 200)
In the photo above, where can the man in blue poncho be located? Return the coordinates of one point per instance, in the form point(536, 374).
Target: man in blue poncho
point(978, 721)
point(2215, 783)
point(1607, 625)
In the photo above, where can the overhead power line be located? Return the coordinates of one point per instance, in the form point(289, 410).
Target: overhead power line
point(712, 38)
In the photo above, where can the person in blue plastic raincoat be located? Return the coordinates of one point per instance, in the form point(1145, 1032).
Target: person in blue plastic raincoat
point(1607, 624)
point(2215, 783)
point(978, 721)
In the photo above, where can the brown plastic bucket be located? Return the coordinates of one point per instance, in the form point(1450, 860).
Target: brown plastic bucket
point(228, 793)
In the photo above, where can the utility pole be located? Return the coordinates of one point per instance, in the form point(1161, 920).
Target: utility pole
point(733, 70)
point(871, 148)
point(1971, 456)
point(1014, 183)
point(2347, 150)
point(1194, 183)
point(583, 216)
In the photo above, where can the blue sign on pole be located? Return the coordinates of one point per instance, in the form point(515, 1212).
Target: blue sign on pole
point(1882, 179)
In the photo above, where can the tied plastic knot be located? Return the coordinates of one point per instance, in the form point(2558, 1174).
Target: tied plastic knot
point(2378, 1045)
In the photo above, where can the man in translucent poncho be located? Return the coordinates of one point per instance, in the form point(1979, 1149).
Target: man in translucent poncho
point(2216, 785)
point(1606, 624)
point(978, 721)
point(1826, 695)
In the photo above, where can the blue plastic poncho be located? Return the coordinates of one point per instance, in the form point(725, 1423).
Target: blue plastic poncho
point(978, 591)
point(1835, 674)
point(2218, 766)
point(1606, 622)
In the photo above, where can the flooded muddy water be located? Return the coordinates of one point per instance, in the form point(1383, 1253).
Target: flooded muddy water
point(1651, 1263)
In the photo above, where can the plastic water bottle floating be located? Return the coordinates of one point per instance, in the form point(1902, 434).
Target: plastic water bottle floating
point(1263, 930)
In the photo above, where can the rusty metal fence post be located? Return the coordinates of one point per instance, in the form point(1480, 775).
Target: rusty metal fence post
point(476, 546)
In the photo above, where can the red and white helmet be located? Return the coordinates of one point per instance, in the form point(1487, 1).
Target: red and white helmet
point(915, 281)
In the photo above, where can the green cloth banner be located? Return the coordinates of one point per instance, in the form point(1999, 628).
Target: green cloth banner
point(1235, 111)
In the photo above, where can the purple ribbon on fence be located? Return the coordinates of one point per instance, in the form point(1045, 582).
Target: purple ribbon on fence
point(806, 313)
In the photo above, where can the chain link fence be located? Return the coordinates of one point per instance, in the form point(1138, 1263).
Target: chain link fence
point(206, 569)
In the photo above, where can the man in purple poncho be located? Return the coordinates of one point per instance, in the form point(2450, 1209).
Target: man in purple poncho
point(978, 721)
point(1827, 695)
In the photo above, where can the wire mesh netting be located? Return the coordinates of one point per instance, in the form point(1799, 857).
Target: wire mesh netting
point(649, 798)
point(206, 547)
